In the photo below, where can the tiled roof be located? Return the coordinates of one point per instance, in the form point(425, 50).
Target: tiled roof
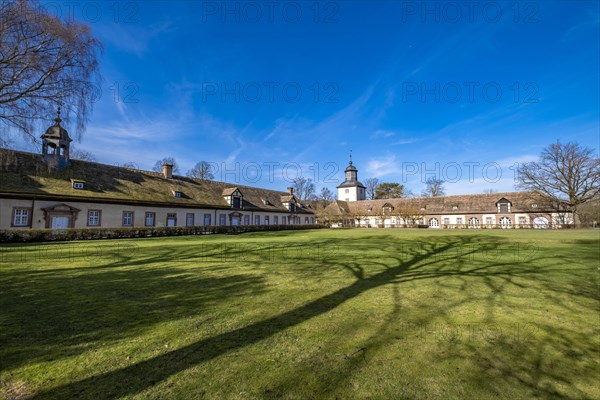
point(27, 174)
point(460, 204)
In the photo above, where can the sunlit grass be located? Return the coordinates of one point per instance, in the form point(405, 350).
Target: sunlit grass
point(382, 313)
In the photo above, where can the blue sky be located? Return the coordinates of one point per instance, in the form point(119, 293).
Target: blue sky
point(414, 89)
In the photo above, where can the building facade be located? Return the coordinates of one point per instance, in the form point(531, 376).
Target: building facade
point(50, 190)
point(495, 210)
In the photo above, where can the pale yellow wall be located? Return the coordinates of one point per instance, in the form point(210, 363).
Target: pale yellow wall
point(112, 214)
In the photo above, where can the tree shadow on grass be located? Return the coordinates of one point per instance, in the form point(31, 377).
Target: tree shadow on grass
point(140, 376)
point(50, 314)
point(402, 265)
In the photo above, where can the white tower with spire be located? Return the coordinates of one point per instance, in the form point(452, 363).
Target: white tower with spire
point(351, 189)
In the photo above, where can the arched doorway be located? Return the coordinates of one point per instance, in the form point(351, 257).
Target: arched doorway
point(540, 223)
point(434, 223)
point(505, 223)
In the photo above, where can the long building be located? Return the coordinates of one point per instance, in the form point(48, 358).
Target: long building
point(50, 190)
point(503, 210)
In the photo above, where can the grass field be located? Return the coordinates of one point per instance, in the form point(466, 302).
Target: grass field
point(334, 314)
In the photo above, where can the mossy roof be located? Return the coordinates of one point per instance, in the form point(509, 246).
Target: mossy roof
point(24, 173)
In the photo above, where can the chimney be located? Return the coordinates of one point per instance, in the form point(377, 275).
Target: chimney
point(168, 170)
point(291, 190)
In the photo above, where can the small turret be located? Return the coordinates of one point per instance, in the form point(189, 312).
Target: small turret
point(56, 143)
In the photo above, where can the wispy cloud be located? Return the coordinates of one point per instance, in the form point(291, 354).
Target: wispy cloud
point(382, 166)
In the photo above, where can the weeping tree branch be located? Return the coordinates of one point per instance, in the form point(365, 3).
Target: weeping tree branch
point(44, 62)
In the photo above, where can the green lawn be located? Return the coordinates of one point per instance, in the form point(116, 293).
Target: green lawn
point(335, 314)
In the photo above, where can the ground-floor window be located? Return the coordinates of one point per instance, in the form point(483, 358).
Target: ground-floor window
point(434, 223)
point(257, 220)
point(459, 220)
point(540, 222)
point(207, 220)
point(312, 220)
point(93, 218)
point(306, 220)
point(127, 218)
point(489, 220)
point(266, 220)
point(149, 220)
point(21, 217)
point(222, 219)
point(171, 219)
point(522, 220)
point(276, 220)
point(189, 219)
point(474, 221)
point(505, 222)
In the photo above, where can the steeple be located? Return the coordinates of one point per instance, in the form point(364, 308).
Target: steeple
point(351, 189)
point(56, 143)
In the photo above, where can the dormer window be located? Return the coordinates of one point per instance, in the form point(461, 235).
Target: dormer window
point(534, 206)
point(503, 206)
point(387, 209)
point(234, 197)
point(292, 206)
point(78, 185)
point(178, 194)
point(454, 208)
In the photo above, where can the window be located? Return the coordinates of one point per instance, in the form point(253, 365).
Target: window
point(292, 207)
point(347, 191)
point(207, 221)
point(266, 220)
point(522, 220)
point(236, 202)
point(474, 223)
point(93, 218)
point(127, 218)
point(489, 220)
point(246, 220)
point(257, 220)
point(455, 208)
point(312, 220)
point(189, 219)
point(78, 185)
point(222, 219)
point(283, 220)
point(171, 219)
point(276, 220)
point(505, 222)
point(21, 217)
point(306, 220)
point(446, 221)
point(459, 220)
point(178, 194)
point(149, 219)
point(434, 223)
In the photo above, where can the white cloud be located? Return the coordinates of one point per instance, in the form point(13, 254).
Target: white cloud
point(383, 166)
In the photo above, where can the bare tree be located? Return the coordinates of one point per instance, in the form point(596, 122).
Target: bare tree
point(325, 195)
point(304, 188)
point(45, 63)
point(167, 160)
point(372, 185)
point(434, 187)
point(130, 165)
point(567, 173)
point(201, 170)
point(83, 155)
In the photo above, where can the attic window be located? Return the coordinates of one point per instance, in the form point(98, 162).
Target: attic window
point(267, 202)
point(422, 208)
point(455, 207)
point(178, 194)
point(534, 205)
point(78, 185)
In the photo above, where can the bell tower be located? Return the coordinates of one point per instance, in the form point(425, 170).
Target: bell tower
point(351, 189)
point(56, 143)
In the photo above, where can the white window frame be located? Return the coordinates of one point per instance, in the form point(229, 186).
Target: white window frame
point(93, 217)
point(127, 215)
point(150, 215)
point(21, 217)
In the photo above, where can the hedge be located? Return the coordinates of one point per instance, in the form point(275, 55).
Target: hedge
point(47, 235)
